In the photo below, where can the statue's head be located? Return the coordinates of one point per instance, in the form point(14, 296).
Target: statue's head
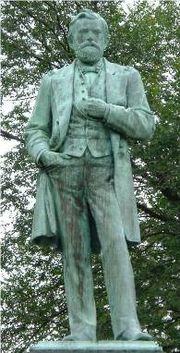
point(88, 36)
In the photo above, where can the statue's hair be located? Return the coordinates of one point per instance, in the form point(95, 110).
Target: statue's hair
point(91, 15)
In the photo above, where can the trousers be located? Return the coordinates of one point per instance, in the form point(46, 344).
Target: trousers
point(85, 184)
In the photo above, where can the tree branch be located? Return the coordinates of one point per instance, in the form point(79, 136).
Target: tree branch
point(153, 214)
point(9, 136)
point(170, 194)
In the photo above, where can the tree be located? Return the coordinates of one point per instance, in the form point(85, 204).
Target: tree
point(34, 40)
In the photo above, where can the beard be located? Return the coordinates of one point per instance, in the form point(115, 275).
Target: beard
point(89, 53)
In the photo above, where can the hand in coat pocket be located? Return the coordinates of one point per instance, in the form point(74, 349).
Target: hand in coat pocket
point(50, 159)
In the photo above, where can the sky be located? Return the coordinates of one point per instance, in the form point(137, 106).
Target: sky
point(6, 146)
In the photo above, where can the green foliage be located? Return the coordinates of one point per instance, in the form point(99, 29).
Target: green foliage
point(34, 40)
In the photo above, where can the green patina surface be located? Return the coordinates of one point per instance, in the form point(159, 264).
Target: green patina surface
point(77, 135)
point(102, 346)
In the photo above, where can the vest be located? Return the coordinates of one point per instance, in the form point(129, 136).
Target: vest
point(87, 133)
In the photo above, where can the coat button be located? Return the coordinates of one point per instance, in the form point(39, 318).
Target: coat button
point(57, 122)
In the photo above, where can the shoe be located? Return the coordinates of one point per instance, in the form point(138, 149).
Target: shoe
point(81, 337)
point(138, 336)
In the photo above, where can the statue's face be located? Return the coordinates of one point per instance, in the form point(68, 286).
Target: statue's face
point(89, 40)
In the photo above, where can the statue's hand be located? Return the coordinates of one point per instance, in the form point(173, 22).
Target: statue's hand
point(49, 158)
point(96, 108)
point(91, 108)
point(81, 107)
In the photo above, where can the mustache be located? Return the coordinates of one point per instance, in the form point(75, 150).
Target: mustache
point(88, 43)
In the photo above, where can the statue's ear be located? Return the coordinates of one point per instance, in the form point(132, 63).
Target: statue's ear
point(70, 40)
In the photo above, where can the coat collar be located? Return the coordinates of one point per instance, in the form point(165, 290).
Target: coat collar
point(63, 81)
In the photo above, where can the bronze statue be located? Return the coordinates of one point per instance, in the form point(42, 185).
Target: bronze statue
point(85, 202)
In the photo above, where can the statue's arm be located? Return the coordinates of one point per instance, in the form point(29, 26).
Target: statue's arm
point(137, 120)
point(38, 129)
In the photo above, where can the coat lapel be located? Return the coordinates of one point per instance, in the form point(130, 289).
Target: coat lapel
point(62, 86)
point(116, 84)
point(111, 90)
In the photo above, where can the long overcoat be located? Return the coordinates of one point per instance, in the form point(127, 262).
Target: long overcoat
point(129, 116)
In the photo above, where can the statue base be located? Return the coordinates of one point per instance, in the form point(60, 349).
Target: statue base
point(98, 347)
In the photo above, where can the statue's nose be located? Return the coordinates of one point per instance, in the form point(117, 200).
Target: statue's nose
point(90, 36)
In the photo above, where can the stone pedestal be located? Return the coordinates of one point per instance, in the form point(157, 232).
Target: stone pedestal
point(99, 347)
